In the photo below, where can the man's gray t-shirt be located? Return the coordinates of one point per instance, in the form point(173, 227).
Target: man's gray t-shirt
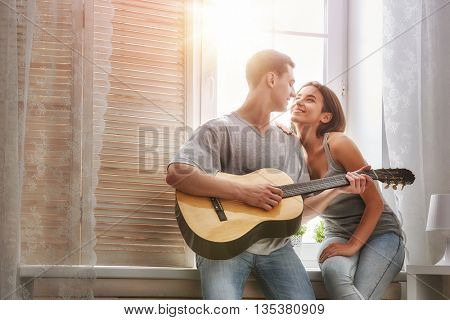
point(230, 144)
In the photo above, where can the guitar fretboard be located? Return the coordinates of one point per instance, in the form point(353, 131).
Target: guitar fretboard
point(292, 190)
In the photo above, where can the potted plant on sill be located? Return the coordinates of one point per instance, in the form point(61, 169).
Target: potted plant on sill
point(296, 238)
point(319, 232)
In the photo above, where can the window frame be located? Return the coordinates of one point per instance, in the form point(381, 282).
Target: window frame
point(335, 65)
point(202, 73)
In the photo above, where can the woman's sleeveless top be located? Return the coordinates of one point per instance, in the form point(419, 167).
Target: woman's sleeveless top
point(344, 213)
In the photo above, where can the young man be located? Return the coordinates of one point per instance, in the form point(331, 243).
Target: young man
point(240, 143)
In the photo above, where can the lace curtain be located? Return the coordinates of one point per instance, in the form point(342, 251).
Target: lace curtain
point(79, 100)
point(40, 144)
point(416, 95)
point(12, 119)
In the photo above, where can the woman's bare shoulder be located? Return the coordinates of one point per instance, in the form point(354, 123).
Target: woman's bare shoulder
point(343, 149)
point(338, 139)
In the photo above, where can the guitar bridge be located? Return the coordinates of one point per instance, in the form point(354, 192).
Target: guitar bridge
point(219, 209)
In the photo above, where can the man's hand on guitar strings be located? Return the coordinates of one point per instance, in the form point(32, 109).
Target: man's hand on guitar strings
point(264, 196)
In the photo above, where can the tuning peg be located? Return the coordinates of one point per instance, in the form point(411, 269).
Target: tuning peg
point(387, 186)
point(394, 186)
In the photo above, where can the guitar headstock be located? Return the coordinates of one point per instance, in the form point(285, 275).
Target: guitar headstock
point(392, 177)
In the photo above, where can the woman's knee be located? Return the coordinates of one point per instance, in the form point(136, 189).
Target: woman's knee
point(334, 270)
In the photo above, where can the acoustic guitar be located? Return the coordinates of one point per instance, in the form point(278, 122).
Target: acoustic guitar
point(221, 229)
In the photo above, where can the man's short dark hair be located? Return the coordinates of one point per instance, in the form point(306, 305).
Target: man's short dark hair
point(266, 61)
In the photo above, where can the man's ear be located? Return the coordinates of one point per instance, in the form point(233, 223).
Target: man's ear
point(326, 117)
point(270, 79)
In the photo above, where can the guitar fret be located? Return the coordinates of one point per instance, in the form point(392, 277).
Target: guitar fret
point(314, 185)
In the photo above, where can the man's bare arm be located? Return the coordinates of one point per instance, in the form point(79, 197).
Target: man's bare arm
point(192, 180)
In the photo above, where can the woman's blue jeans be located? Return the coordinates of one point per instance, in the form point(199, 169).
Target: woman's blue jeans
point(368, 273)
point(280, 274)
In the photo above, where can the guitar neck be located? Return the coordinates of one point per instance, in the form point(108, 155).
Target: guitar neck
point(292, 190)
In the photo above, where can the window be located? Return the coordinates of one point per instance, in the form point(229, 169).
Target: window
point(86, 176)
point(312, 33)
point(50, 217)
point(137, 107)
point(147, 69)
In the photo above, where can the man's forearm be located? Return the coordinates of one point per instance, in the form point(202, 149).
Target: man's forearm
point(192, 181)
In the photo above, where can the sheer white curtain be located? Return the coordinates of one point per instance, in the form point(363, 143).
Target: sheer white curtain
point(40, 148)
point(13, 109)
point(9, 153)
point(80, 100)
point(416, 98)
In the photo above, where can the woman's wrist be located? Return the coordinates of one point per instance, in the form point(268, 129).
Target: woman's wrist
point(355, 244)
point(338, 191)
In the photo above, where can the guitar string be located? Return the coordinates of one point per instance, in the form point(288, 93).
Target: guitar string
point(327, 183)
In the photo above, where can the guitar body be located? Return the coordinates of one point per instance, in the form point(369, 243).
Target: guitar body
point(212, 238)
point(224, 228)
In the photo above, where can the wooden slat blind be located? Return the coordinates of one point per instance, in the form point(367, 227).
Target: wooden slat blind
point(143, 93)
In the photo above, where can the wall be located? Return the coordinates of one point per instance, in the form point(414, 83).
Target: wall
point(364, 108)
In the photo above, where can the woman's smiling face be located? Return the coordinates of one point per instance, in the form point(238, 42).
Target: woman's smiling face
point(308, 106)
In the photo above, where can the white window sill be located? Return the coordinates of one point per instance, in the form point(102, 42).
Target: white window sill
point(130, 272)
point(124, 282)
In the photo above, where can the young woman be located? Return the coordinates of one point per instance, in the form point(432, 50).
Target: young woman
point(363, 249)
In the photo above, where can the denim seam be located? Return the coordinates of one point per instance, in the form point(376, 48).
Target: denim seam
point(355, 290)
point(261, 279)
point(244, 281)
point(384, 272)
point(265, 284)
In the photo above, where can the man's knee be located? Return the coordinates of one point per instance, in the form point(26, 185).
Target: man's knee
point(214, 291)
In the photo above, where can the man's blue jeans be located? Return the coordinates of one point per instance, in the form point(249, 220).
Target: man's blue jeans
point(280, 274)
point(367, 274)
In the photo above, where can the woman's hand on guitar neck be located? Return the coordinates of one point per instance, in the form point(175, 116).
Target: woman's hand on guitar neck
point(358, 182)
point(264, 196)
